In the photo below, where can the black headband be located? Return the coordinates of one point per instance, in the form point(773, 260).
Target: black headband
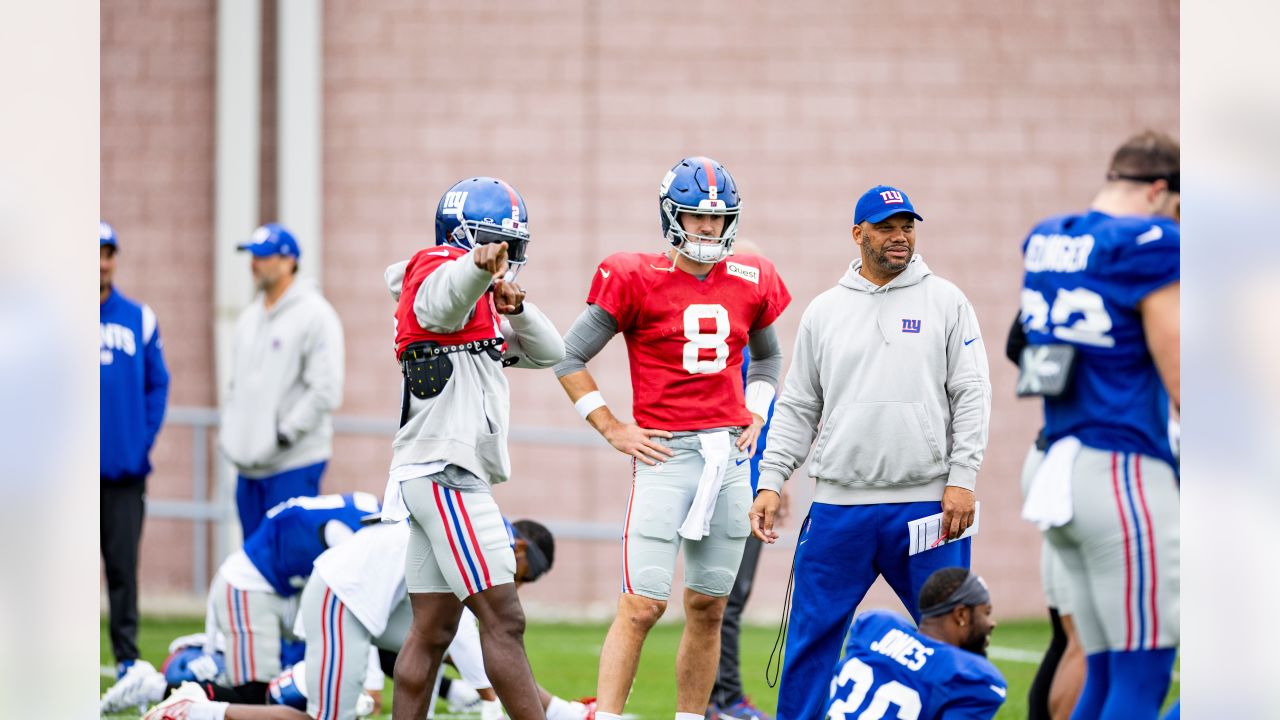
point(533, 557)
point(1170, 178)
point(973, 591)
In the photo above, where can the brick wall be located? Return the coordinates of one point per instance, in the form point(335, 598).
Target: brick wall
point(989, 115)
point(157, 191)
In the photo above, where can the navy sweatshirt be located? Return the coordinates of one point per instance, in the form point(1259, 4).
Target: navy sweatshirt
point(134, 387)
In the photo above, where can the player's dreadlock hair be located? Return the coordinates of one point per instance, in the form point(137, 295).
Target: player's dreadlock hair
point(538, 534)
point(938, 588)
point(1149, 154)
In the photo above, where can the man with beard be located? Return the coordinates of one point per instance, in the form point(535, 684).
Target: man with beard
point(937, 671)
point(890, 365)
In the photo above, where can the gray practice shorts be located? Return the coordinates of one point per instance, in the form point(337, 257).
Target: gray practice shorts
point(253, 624)
point(458, 542)
point(1053, 574)
point(660, 500)
point(338, 649)
point(1119, 552)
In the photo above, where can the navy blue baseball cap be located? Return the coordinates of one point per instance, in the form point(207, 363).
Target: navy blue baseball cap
point(272, 239)
point(880, 202)
point(107, 236)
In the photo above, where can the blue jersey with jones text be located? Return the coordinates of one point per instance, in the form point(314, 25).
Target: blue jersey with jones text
point(892, 670)
point(1085, 275)
point(294, 533)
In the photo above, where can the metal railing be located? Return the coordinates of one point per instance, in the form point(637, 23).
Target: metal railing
point(218, 513)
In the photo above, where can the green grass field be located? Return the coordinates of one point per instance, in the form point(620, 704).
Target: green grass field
point(565, 656)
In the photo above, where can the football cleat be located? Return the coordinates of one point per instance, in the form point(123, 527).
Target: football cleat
point(178, 705)
point(741, 710)
point(491, 710)
point(462, 698)
point(140, 686)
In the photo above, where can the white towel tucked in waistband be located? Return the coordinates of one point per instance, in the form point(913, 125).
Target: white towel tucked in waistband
point(1048, 502)
point(715, 458)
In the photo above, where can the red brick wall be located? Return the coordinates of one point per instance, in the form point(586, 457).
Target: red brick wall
point(157, 191)
point(990, 115)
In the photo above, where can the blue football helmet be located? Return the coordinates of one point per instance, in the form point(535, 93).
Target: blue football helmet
point(289, 688)
point(189, 663)
point(484, 210)
point(699, 185)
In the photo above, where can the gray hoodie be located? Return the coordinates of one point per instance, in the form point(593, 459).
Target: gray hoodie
point(467, 423)
point(892, 383)
point(287, 369)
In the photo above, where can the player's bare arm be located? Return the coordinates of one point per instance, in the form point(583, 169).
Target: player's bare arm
point(593, 329)
point(1161, 325)
point(627, 438)
point(762, 383)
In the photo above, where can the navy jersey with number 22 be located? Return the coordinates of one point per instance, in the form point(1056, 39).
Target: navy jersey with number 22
point(891, 670)
point(1085, 276)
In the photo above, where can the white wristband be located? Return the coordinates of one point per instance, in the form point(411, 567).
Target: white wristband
point(759, 397)
point(588, 403)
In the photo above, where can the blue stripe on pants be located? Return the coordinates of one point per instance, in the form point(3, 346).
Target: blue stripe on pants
point(840, 553)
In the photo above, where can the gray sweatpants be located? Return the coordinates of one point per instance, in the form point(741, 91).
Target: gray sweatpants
point(660, 499)
point(1120, 551)
point(253, 622)
point(338, 649)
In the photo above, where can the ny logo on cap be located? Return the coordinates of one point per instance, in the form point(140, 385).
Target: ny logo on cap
point(891, 196)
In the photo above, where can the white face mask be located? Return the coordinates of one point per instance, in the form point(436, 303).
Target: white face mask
point(703, 252)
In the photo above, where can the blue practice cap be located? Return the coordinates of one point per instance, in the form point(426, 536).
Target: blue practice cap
point(107, 236)
point(272, 239)
point(880, 202)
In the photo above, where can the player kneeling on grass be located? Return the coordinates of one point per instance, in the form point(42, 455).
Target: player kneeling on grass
point(356, 604)
point(936, 671)
point(253, 599)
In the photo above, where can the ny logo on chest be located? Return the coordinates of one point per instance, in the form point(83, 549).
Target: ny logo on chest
point(910, 326)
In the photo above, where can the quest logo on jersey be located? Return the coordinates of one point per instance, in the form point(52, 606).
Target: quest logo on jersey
point(746, 272)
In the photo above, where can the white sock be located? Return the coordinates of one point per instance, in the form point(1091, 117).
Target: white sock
point(689, 716)
point(208, 711)
point(607, 716)
point(560, 709)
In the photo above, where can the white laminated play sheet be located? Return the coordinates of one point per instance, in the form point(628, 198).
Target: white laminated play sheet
point(926, 532)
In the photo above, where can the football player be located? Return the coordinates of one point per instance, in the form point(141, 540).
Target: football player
point(890, 668)
point(686, 315)
point(253, 600)
point(460, 319)
point(1100, 304)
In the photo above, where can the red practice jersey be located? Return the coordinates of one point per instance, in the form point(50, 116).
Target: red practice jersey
point(482, 325)
point(685, 336)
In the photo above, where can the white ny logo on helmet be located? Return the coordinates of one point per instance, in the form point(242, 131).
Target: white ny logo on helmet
point(454, 200)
